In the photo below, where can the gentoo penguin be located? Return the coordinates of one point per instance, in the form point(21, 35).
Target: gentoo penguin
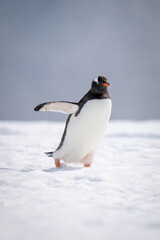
point(85, 125)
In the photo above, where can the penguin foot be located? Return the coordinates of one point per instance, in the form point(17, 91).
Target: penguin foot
point(57, 163)
point(87, 165)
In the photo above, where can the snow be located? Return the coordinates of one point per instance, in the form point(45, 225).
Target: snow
point(117, 198)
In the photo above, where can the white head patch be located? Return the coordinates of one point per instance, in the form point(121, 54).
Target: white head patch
point(95, 79)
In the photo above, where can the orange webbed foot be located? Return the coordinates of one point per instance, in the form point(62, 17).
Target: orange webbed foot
point(57, 163)
point(87, 165)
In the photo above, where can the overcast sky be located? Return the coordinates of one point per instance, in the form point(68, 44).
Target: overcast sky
point(52, 50)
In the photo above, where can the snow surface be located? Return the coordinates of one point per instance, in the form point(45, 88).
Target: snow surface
point(117, 198)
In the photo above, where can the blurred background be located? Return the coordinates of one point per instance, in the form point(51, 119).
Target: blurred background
point(52, 50)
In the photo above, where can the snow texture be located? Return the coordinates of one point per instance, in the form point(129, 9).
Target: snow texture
point(117, 198)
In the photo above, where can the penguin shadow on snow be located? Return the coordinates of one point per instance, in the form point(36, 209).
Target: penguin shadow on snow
point(53, 169)
point(64, 167)
point(17, 170)
point(80, 177)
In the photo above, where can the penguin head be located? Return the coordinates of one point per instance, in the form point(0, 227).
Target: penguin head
point(99, 85)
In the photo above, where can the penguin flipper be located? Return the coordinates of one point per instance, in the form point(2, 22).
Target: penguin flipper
point(63, 107)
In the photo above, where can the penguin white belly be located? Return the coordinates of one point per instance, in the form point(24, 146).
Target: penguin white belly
point(85, 131)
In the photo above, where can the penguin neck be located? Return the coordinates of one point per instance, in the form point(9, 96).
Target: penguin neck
point(92, 95)
point(106, 94)
point(100, 95)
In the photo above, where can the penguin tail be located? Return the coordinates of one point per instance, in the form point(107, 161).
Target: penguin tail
point(49, 154)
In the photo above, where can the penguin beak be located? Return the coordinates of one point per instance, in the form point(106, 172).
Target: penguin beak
point(106, 84)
